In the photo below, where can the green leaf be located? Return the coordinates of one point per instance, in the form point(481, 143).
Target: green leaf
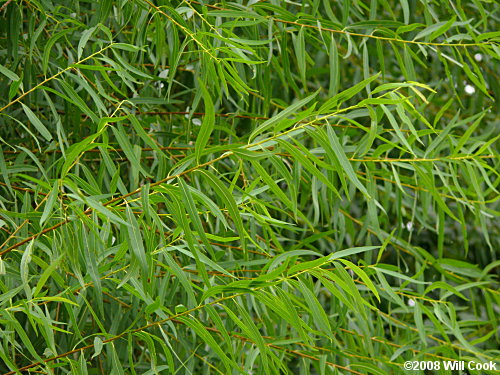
point(344, 162)
point(51, 200)
point(136, 242)
point(48, 47)
point(224, 194)
point(9, 73)
point(399, 275)
point(268, 124)
point(346, 95)
point(37, 123)
point(44, 277)
point(98, 206)
point(125, 144)
point(86, 35)
point(207, 125)
point(98, 345)
point(127, 47)
point(362, 274)
point(193, 214)
point(198, 328)
point(308, 165)
point(317, 311)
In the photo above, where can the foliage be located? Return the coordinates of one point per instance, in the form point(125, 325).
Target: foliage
point(248, 187)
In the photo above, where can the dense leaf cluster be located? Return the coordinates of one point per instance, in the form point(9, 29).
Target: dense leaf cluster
point(247, 187)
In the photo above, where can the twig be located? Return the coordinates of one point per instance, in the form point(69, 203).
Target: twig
point(5, 5)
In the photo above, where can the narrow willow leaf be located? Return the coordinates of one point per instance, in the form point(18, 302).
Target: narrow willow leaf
point(24, 268)
point(198, 328)
point(226, 196)
point(181, 275)
point(362, 274)
point(343, 96)
point(25, 340)
point(436, 29)
point(124, 142)
point(207, 124)
point(4, 171)
point(126, 47)
point(78, 101)
point(274, 186)
point(308, 165)
point(399, 275)
point(320, 317)
point(51, 200)
point(144, 136)
point(326, 259)
point(99, 207)
point(193, 214)
point(86, 35)
point(300, 52)
point(336, 288)
point(420, 323)
point(44, 277)
point(334, 61)
point(465, 137)
point(9, 73)
point(179, 212)
point(136, 242)
point(293, 253)
point(396, 127)
point(14, 87)
point(406, 13)
point(268, 124)
point(444, 28)
point(443, 285)
point(37, 123)
point(344, 162)
point(48, 47)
